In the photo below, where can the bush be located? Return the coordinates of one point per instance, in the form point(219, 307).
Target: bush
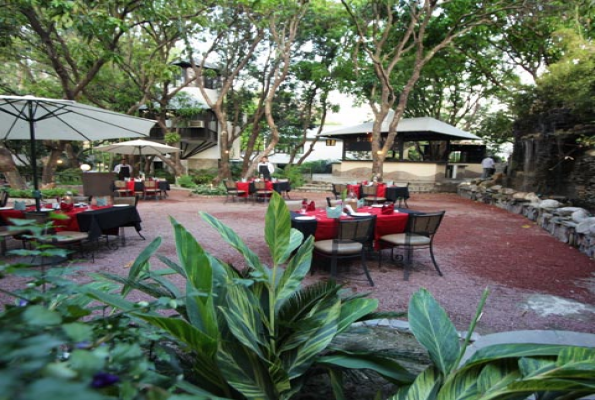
point(210, 190)
point(45, 193)
point(186, 181)
point(293, 173)
point(203, 176)
point(165, 174)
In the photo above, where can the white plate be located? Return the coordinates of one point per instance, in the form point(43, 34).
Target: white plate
point(6, 208)
point(360, 214)
point(46, 209)
point(121, 205)
point(308, 218)
point(377, 205)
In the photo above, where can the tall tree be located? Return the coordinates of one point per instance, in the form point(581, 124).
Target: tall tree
point(395, 40)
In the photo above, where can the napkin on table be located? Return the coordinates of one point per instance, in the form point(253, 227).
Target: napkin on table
point(66, 206)
point(311, 206)
point(388, 209)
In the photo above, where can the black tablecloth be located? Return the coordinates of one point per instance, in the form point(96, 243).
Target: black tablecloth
point(98, 222)
point(307, 227)
point(393, 193)
point(281, 187)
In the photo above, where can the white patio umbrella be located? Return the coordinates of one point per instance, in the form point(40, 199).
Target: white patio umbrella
point(35, 118)
point(138, 147)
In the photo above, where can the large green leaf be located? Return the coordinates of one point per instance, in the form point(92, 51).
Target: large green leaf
point(141, 262)
point(185, 332)
point(385, 366)
point(246, 372)
point(496, 376)
point(294, 274)
point(236, 242)
point(434, 330)
point(354, 310)
point(425, 386)
point(462, 386)
point(513, 350)
point(243, 319)
point(199, 282)
point(277, 228)
point(312, 341)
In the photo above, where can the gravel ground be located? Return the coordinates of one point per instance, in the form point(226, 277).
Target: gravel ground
point(536, 282)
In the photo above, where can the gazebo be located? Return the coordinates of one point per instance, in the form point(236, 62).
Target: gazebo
point(425, 150)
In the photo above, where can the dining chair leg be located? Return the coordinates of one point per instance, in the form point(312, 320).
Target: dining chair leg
point(366, 268)
point(334, 268)
point(434, 261)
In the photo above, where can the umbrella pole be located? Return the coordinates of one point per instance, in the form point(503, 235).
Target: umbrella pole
point(36, 192)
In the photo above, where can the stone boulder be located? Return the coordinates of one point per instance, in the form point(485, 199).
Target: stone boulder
point(586, 226)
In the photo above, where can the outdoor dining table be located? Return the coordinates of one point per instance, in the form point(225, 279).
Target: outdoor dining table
point(96, 221)
point(249, 188)
point(322, 227)
point(356, 189)
point(139, 186)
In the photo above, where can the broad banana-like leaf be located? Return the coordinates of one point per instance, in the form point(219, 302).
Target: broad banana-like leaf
point(306, 298)
point(236, 242)
point(574, 355)
point(195, 393)
point(497, 375)
point(277, 225)
point(247, 373)
point(461, 386)
point(185, 332)
point(141, 262)
point(534, 366)
point(336, 377)
point(513, 350)
point(294, 274)
point(425, 386)
point(244, 320)
point(434, 330)
point(385, 366)
point(171, 264)
point(199, 281)
point(354, 310)
point(312, 342)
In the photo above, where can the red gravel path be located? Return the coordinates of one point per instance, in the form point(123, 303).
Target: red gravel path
point(477, 246)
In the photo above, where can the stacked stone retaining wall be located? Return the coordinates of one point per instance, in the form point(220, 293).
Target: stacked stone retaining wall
point(556, 216)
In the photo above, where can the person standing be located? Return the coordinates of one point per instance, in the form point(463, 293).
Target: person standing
point(265, 168)
point(489, 167)
point(124, 170)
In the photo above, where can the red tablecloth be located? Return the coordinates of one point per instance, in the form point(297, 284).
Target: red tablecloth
point(326, 228)
point(248, 187)
point(68, 224)
point(356, 189)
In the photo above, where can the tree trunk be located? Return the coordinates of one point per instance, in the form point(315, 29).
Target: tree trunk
point(49, 167)
point(10, 171)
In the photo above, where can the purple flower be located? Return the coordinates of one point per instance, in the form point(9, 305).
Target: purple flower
point(23, 303)
point(103, 379)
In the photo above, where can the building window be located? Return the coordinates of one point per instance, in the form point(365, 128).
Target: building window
point(331, 142)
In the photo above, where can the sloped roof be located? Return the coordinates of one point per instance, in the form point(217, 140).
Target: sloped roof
point(407, 125)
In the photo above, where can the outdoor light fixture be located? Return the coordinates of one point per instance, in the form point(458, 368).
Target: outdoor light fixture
point(85, 167)
point(369, 136)
point(331, 142)
point(59, 162)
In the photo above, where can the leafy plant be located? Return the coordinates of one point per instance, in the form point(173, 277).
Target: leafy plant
point(293, 173)
point(55, 344)
point(502, 371)
point(210, 190)
point(45, 193)
point(253, 333)
point(186, 181)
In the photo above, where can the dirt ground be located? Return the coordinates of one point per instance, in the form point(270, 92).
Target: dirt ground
point(535, 281)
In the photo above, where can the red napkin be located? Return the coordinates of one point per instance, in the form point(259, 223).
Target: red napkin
point(388, 209)
point(66, 206)
point(311, 206)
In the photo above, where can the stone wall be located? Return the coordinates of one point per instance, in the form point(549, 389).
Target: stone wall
point(569, 224)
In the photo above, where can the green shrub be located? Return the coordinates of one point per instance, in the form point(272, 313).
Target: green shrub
point(203, 176)
point(165, 174)
point(210, 190)
point(293, 173)
point(45, 193)
point(255, 333)
point(186, 181)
